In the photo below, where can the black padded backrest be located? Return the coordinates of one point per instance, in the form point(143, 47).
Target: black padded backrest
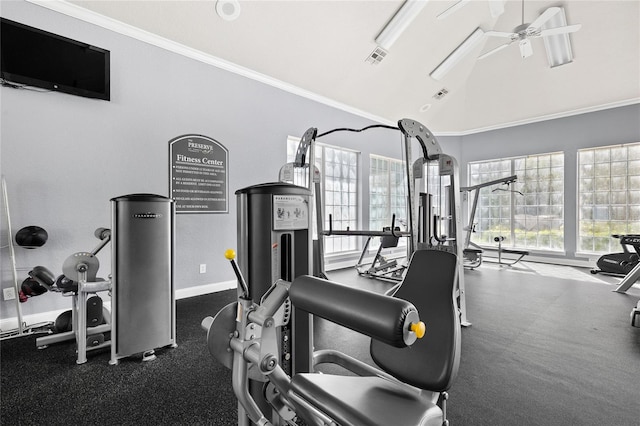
point(431, 363)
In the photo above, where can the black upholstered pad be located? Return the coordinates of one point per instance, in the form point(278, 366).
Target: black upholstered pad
point(432, 362)
point(43, 276)
point(366, 312)
point(366, 401)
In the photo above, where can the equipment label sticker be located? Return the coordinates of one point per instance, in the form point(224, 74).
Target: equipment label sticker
point(290, 212)
point(198, 175)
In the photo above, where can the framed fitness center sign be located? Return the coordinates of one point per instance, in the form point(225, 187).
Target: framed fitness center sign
point(198, 175)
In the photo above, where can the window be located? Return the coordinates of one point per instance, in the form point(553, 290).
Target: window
point(609, 196)
point(530, 213)
point(387, 189)
point(339, 173)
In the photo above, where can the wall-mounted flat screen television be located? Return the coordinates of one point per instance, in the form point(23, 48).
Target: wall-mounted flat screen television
point(37, 58)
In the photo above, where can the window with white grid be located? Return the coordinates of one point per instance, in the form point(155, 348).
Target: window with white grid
point(529, 212)
point(387, 189)
point(608, 196)
point(339, 172)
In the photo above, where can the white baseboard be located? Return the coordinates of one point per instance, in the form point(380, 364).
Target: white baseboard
point(199, 290)
point(562, 261)
point(7, 324)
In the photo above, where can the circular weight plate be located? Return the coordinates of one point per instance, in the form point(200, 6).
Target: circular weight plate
point(70, 265)
point(220, 333)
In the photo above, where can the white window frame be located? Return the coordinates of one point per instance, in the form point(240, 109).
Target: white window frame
point(609, 166)
point(392, 197)
point(532, 221)
point(335, 245)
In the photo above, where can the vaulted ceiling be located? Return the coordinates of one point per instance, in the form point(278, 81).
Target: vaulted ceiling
point(321, 47)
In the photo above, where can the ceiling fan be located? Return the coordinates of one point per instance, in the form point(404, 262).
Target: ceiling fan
point(525, 32)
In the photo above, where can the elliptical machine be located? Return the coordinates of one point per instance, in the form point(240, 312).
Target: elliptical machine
point(620, 264)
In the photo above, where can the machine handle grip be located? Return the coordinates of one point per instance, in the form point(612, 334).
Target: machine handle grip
point(393, 226)
point(230, 254)
point(102, 233)
point(384, 318)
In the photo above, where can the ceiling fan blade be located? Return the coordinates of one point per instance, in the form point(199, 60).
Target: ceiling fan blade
point(495, 50)
point(496, 7)
point(500, 34)
point(526, 49)
point(561, 30)
point(452, 9)
point(546, 15)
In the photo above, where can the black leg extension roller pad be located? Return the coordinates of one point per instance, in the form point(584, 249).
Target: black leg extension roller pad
point(387, 319)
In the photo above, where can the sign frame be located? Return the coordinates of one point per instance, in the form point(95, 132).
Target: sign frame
point(199, 173)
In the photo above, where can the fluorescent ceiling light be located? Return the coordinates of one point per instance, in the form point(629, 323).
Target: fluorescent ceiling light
point(558, 46)
point(400, 21)
point(461, 51)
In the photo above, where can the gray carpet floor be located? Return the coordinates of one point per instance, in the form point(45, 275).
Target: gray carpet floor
point(548, 346)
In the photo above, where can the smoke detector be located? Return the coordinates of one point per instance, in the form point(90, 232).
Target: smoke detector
point(229, 10)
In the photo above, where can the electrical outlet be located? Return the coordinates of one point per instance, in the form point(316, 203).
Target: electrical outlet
point(203, 268)
point(9, 293)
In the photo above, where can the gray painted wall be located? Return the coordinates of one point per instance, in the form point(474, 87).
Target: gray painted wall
point(569, 134)
point(64, 157)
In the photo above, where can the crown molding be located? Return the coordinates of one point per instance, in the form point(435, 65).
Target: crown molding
point(119, 27)
point(74, 11)
point(541, 118)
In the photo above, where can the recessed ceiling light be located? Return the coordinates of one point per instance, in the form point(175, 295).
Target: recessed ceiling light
point(229, 10)
point(425, 107)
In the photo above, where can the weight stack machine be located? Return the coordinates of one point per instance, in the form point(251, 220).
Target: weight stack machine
point(274, 242)
point(143, 295)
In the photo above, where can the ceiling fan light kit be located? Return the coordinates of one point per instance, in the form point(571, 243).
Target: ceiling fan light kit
point(399, 23)
point(558, 46)
point(456, 56)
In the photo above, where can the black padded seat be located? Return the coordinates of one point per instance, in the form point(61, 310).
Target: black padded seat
point(431, 363)
point(366, 401)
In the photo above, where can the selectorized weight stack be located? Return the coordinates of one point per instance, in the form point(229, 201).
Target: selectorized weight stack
point(143, 295)
point(274, 243)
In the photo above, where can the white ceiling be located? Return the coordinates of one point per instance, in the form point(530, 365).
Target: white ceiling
point(321, 47)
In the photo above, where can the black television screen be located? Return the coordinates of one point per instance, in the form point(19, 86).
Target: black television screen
point(34, 57)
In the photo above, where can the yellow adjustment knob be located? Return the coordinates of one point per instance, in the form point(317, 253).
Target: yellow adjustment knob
point(230, 254)
point(419, 328)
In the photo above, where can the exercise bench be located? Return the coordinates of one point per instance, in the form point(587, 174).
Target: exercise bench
point(408, 386)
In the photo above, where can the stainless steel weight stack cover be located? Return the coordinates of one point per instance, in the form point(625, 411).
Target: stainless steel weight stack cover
point(143, 296)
